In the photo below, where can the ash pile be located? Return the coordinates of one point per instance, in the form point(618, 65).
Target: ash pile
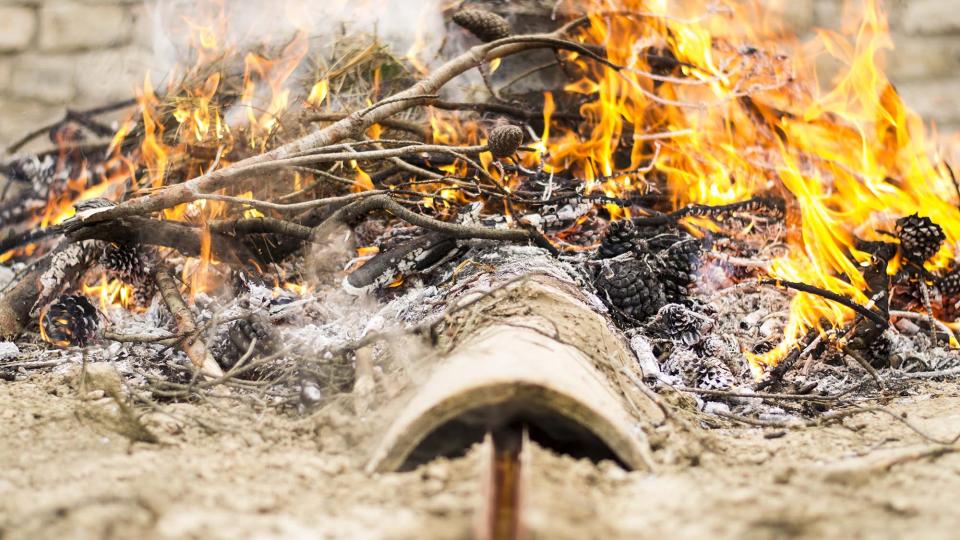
point(289, 249)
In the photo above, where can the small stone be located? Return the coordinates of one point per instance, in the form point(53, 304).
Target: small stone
point(103, 376)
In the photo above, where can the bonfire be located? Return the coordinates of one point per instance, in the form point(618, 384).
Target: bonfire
point(495, 239)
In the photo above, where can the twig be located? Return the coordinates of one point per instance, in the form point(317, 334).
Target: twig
point(829, 295)
point(392, 123)
point(177, 235)
point(350, 213)
point(865, 365)
point(951, 372)
point(761, 395)
point(169, 339)
point(70, 116)
point(192, 345)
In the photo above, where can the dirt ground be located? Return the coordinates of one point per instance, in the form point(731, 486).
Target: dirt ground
point(66, 472)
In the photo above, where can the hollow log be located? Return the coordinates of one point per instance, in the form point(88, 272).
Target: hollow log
point(534, 355)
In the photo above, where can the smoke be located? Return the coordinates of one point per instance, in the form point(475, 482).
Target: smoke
point(404, 25)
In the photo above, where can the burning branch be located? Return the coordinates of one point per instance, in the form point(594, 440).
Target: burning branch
point(194, 189)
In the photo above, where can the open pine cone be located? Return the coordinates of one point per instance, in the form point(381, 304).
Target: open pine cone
point(920, 238)
point(71, 321)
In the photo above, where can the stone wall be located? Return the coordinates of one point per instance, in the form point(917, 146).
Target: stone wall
point(55, 53)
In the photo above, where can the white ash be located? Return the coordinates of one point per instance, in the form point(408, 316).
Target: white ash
point(7, 275)
point(713, 407)
point(8, 350)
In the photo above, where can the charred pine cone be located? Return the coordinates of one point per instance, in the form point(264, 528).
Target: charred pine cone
point(70, 321)
point(679, 323)
point(678, 265)
point(676, 253)
point(127, 263)
point(949, 284)
point(920, 238)
point(253, 334)
point(869, 337)
point(632, 289)
point(485, 25)
point(636, 236)
point(698, 371)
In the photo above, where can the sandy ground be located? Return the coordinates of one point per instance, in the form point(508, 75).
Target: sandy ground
point(66, 473)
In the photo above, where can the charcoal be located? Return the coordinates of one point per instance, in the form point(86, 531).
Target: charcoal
point(71, 321)
point(661, 60)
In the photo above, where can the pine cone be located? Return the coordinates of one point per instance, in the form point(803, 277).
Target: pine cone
point(123, 261)
point(717, 347)
point(696, 371)
point(949, 284)
point(679, 323)
point(638, 237)
point(504, 140)
point(678, 265)
point(920, 238)
point(878, 352)
point(631, 288)
point(70, 321)
point(621, 237)
point(712, 374)
point(234, 341)
point(485, 25)
point(126, 262)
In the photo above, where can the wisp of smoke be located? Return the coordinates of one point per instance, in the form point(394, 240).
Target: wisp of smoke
point(404, 25)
